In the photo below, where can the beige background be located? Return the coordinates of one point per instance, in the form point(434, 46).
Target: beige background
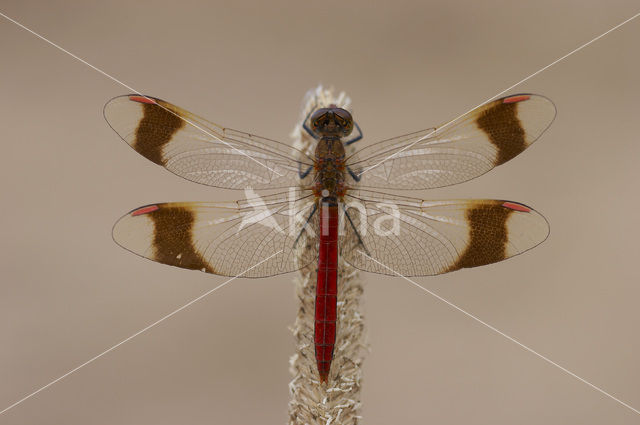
point(68, 292)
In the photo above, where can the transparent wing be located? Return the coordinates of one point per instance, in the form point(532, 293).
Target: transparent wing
point(202, 151)
point(393, 235)
point(467, 148)
point(254, 238)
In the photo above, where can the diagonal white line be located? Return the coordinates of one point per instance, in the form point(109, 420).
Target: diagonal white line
point(137, 92)
point(502, 92)
point(532, 351)
point(135, 334)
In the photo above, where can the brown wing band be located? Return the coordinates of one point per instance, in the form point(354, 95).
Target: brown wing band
point(156, 128)
point(175, 246)
point(502, 126)
point(488, 236)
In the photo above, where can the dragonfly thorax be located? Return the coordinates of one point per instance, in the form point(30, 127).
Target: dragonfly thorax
point(330, 167)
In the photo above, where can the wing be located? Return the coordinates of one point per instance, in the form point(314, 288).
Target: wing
point(202, 151)
point(393, 235)
point(466, 148)
point(255, 238)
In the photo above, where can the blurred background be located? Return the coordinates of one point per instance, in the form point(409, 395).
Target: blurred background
point(68, 292)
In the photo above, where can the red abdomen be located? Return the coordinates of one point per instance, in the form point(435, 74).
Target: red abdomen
point(327, 287)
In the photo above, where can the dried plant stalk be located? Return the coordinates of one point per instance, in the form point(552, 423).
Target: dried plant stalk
point(338, 401)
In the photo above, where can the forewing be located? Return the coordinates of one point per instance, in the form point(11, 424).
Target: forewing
point(405, 236)
point(467, 148)
point(202, 151)
point(254, 238)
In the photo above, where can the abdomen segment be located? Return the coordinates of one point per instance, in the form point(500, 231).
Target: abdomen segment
point(327, 287)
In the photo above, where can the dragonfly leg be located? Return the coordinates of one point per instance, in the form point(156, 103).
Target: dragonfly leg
point(358, 137)
point(313, 211)
point(355, 176)
point(306, 127)
point(353, 226)
point(304, 174)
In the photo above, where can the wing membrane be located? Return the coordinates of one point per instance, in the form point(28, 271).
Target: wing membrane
point(413, 237)
point(467, 148)
point(225, 239)
point(201, 151)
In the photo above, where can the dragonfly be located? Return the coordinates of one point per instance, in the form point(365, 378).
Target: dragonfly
point(325, 205)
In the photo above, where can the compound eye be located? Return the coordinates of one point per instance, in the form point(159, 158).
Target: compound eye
point(343, 117)
point(343, 114)
point(318, 118)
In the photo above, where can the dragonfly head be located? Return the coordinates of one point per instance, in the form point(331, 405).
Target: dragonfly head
point(332, 121)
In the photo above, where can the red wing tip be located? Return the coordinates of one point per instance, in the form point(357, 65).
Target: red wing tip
point(514, 99)
point(145, 210)
point(516, 207)
point(143, 99)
